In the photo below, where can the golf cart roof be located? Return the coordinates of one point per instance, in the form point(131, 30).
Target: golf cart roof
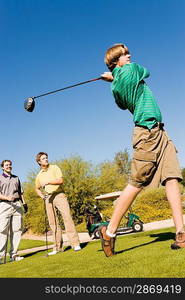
point(109, 196)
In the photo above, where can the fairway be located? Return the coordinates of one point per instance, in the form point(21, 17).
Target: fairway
point(144, 255)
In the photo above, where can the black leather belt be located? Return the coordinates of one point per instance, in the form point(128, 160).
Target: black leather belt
point(7, 201)
point(160, 125)
point(54, 193)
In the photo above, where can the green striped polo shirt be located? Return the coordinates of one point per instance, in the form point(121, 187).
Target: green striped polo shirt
point(131, 92)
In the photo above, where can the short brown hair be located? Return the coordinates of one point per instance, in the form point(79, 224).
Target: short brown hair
point(113, 54)
point(5, 160)
point(38, 156)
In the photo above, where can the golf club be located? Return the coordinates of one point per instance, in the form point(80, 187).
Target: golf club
point(29, 103)
point(45, 197)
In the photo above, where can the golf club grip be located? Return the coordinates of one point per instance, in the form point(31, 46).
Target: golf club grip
point(67, 87)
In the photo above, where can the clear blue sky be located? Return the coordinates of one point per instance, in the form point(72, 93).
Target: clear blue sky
point(49, 44)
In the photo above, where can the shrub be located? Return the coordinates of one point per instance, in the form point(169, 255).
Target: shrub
point(152, 205)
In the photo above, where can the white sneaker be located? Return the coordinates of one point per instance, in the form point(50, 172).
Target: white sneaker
point(53, 252)
point(16, 258)
point(77, 248)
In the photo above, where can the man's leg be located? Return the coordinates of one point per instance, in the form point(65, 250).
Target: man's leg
point(4, 231)
point(108, 234)
point(53, 223)
point(58, 233)
point(4, 228)
point(174, 198)
point(15, 231)
point(63, 206)
point(123, 203)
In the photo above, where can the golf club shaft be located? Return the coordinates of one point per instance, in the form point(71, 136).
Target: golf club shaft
point(67, 87)
point(46, 225)
point(6, 246)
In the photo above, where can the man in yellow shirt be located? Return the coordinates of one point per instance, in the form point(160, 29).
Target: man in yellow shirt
point(49, 186)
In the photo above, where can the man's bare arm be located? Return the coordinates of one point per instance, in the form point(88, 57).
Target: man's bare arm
point(56, 181)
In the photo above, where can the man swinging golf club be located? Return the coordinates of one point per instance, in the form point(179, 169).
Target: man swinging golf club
point(49, 186)
point(154, 155)
point(11, 201)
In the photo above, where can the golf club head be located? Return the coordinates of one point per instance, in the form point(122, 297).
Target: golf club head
point(29, 104)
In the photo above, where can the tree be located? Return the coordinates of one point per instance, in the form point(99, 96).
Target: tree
point(79, 184)
point(183, 175)
point(109, 180)
point(123, 162)
point(34, 219)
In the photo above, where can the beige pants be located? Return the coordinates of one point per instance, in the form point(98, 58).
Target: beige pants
point(60, 202)
point(10, 223)
point(154, 158)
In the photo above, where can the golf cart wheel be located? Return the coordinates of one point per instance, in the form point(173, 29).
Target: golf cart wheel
point(137, 226)
point(96, 234)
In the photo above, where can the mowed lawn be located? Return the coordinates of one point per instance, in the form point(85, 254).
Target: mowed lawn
point(144, 255)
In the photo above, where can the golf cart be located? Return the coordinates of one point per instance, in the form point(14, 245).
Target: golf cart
point(94, 218)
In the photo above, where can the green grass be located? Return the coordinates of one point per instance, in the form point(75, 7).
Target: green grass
point(145, 255)
point(28, 244)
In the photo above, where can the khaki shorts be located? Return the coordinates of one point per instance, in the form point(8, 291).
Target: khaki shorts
point(154, 158)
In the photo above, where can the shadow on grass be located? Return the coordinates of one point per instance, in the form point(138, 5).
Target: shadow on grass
point(82, 245)
point(165, 236)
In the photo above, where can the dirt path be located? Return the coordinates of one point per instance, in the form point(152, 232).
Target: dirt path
point(83, 236)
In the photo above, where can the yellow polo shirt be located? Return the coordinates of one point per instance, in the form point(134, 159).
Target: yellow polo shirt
point(51, 173)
